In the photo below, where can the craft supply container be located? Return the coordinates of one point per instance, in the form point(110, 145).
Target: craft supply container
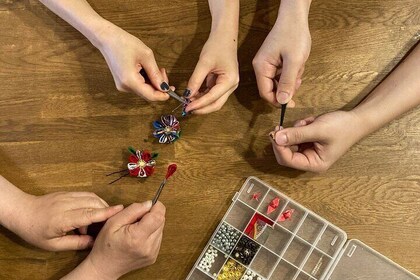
point(302, 247)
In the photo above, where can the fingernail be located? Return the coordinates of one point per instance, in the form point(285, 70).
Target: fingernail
point(283, 97)
point(272, 134)
point(281, 138)
point(148, 204)
point(118, 207)
point(91, 242)
point(164, 86)
point(187, 93)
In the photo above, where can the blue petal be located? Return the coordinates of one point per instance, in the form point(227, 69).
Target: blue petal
point(163, 139)
point(158, 125)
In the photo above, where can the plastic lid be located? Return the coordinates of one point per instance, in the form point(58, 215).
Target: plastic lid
point(360, 262)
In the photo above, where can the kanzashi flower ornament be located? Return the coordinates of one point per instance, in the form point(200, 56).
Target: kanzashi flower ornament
point(167, 130)
point(141, 164)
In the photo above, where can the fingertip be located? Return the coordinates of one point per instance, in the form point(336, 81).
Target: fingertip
point(283, 97)
point(148, 204)
point(117, 208)
point(164, 86)
point(281, 138)
point(90, 242)
point(291, 104)
point(160, 96)
point(300, 123)
point(83, 230)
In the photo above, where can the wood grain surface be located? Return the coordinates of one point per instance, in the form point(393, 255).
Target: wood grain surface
point(63, 125)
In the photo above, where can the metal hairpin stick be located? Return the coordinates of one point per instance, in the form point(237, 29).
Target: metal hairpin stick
point(176, 96)
point(155, 199)
point(283, 112)
point(170, 92)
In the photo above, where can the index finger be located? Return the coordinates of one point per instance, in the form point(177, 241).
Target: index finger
point(145, 90)
point(266, 84)
point(221, 88)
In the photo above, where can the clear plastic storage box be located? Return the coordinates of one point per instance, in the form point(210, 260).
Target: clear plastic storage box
point(266, 235)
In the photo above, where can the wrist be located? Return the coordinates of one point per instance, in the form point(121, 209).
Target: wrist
point(88, 271)
point(225, 18)
point(103, 33)
point(296, 5)
point(361, 127)
point(298, 10)
point(12, 199)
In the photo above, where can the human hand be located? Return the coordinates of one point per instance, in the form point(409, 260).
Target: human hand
point(126, 55)
point(280, 62)
point(218, 65)
point(129, 240)
point(315, 143)
point(44, 221)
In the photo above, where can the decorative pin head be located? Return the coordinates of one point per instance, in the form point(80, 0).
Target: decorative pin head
point(171, 170)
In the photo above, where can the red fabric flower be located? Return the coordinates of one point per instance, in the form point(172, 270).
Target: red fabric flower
point(141, 165)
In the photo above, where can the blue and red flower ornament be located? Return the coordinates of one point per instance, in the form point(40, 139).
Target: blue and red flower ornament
point(167, 129)
point(141, 163)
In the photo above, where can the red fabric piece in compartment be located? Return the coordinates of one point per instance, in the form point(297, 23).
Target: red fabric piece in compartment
point(286, 215)
point(273, 205)
point(256, 196)
point(250, 228)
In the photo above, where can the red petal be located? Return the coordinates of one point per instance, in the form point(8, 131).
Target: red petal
point(146, 156)
point(133, 159)
point(149, 170)
point(135, 172)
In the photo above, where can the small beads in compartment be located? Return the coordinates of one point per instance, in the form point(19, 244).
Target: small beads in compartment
point(245, 250)
point(208, 260)
point(225, 238)
point(231, 271)
point(251, 275)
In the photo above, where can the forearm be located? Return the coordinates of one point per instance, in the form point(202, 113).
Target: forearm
point(397, 94)
point(225, 18)
point(12, 201)
point(81, 16)
point(298, 9)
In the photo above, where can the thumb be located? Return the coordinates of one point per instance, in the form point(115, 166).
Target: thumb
point(131, 214)
point(287, 83)
point(72, 242)
point(297, 135)
point(197, 78)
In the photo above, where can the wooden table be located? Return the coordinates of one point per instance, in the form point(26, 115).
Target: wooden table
point(63, 125)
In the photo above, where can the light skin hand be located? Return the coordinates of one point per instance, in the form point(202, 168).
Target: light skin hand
point(49, 218)
point(315, 143)
point(129, 240)
point(280, 62)
point(218, 62)
point(46, 220)
point(125, 54)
